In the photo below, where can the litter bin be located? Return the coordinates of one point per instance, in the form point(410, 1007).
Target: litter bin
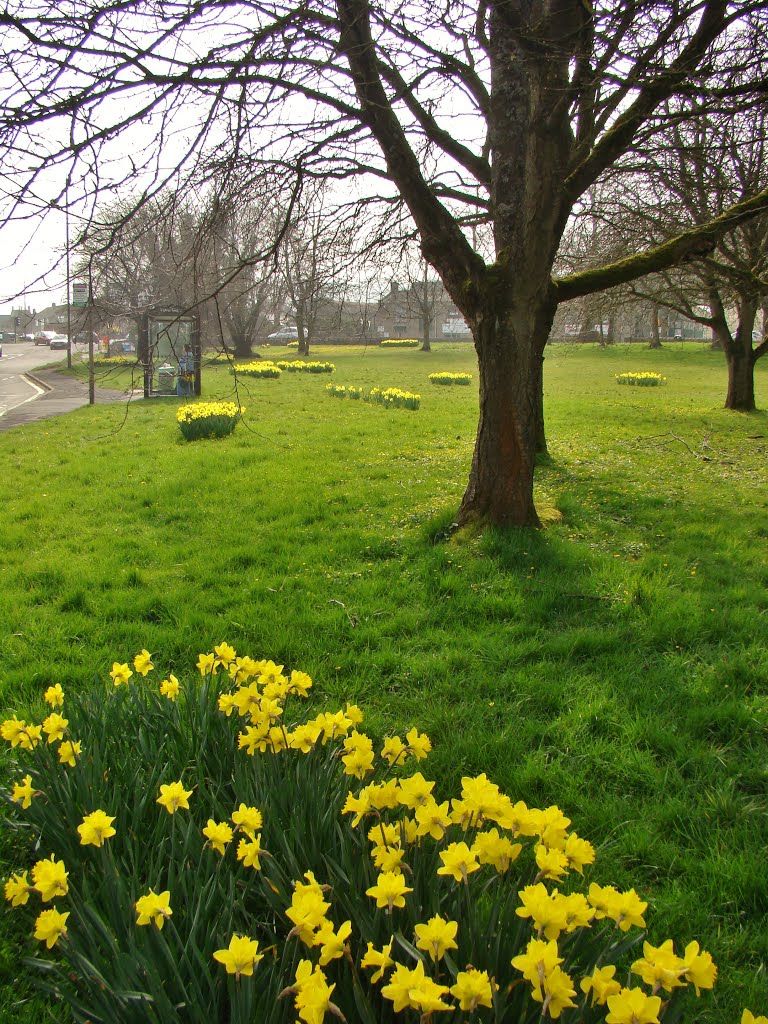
point(166, 380)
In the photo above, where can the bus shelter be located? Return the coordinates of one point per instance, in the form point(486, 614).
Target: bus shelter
point(164, 335)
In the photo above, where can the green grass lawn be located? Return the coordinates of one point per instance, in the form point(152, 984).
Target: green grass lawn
point(615, 664)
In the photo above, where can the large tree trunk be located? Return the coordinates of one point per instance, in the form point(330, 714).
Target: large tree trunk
point(740, 360)
point(241, 345)
point(509, 349)
point(741, 380)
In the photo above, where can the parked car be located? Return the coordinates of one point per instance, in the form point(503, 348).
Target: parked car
point(44, 337)
point(59, 341)
point(284, 334)
point(121, 347)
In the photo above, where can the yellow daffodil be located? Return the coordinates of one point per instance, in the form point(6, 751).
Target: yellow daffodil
point(205, 664)
point(700, 970)
point(23, 792)
point(495, 849)
point(473, 988)
point(299, 684)
point(555, 992)
point(748, 1017)
point(418, 743)
point(248, 819)
point(30, 737)
point(218, 835)
point(412, 988)
point(548, 911)
point(415, 790)
point(12, 730)
point(54, 726)
point(539, 959)
point(54, 696)
point(154, 907)
point(50, 878)
point(432, 819)
point(50, 926)
point(120, 673)
point(170, 687)
point(143, 662)
point(380, 959)
point(312, 994)
point(579, 852)
point(659, 967)
point(240, 956)
point(394, 750)
point(17, 889)
point(436, 937)
point(458, 862)
point(633, 1006)
point(307, 910)
point(249, 852)
point(600, 984)
point(552, 864)
point(69, 752)
point(225, 655)
point(389, 891)
point(332, 943)
point(96, 827)
point(173, 797)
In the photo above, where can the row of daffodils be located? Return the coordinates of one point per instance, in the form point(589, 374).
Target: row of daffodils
point(203, 853)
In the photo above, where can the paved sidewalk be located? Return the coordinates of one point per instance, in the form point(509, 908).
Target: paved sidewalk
point(63, 394)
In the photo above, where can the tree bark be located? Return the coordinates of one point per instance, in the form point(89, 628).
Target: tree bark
point(740, 360)
point(510, 358)
point(741, 380)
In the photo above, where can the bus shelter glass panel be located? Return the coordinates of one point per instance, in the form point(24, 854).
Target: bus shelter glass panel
point(167, 339)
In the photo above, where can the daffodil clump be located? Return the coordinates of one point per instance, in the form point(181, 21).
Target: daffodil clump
point(390, 398)
point(208, 419)
point(344, 391)
point(114, 360)
point(400, 343)
point(305, 366)
point(645, 379)
point(202, 850)
point(264, 370)
point(450, 378)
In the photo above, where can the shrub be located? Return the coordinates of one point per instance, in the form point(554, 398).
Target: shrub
point(450, 378)
point(266, 370)
point(400, 343)
point(299, 366)
point(645, 379)
point(208, 419)
point(326, 869)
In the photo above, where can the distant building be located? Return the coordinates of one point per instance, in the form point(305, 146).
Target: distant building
point(16, 324)
point(400, 313)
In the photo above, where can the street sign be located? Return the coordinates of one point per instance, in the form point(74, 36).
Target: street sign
point(79, 293)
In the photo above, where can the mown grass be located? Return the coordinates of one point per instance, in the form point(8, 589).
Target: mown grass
point(616, 663)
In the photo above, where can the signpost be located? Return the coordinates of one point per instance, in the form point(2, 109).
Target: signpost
point(80, 294)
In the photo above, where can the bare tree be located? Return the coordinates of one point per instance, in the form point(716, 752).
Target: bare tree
point(504, 110)
point(711, 164)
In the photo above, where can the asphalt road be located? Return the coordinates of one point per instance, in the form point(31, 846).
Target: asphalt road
point(31, 389)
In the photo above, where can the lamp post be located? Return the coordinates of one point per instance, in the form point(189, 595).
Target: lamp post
point(69, 295)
